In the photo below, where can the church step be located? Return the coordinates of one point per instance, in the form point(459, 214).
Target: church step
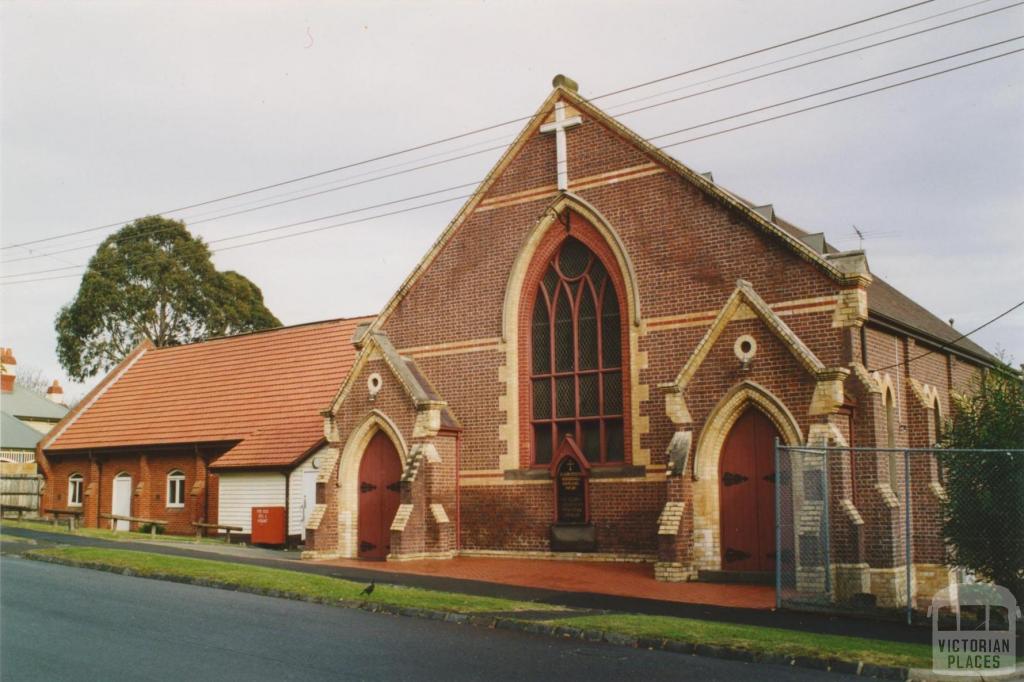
point(748, 577)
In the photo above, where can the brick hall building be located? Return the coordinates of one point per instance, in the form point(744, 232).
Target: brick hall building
point(594, 359)
point(202, 432)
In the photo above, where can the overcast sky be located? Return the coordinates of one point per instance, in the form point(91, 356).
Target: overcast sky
point(112, 110)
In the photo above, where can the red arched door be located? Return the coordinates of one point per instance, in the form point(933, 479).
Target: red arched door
point(746, 485)
point(379, 473)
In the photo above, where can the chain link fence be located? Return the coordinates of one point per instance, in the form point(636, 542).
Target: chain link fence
point(868, 530)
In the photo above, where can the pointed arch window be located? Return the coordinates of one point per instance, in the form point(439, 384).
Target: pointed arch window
point(576, 358)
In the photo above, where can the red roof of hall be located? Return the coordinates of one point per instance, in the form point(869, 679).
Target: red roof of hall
point(264, 389)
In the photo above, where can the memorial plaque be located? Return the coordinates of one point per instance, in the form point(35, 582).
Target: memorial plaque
point(571, 492)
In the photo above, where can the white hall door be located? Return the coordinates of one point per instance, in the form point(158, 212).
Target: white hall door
point(121, 504)
point(308, 496)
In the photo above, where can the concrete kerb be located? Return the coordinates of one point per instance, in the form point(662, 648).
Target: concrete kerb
point(611, 637)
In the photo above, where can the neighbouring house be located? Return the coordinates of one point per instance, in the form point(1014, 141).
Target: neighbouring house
point(203, 432)
point(27, 416)
point(597, 355)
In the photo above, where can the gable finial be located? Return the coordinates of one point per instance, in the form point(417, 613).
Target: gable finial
point(561, 80)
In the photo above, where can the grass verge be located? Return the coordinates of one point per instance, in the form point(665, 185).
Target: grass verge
point(758, 640)
point(102, 533)
point(284, 582)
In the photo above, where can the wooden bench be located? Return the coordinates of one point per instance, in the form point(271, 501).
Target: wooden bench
point(19, 509)
point(74, 516)
point(201, 526)
point(153, 523)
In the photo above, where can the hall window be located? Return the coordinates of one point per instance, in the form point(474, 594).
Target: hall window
point(936, 436)
point(576, 364)
point(890, 442)
point(75, 490)
point(176, 489)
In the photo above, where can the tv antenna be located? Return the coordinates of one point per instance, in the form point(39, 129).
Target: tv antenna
point(860, 237)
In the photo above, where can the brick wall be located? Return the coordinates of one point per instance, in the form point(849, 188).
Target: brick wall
point(148, 470)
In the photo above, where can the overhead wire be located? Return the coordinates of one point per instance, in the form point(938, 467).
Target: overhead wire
point(796, 55)
point(831, 102)
point(242, 210)
point(815, 61)
point(450, 138)
point(750, 124)
point(947, 344)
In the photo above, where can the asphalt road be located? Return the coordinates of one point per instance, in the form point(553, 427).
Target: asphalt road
point(60, 623)
point(790, 620)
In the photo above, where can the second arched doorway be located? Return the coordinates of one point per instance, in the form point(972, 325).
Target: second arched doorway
point(747, 494)
point(380, 473)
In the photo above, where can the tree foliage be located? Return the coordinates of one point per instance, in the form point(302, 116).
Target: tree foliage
point(984, 510)
point(152, 279)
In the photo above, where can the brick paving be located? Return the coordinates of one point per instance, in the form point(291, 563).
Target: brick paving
point(611, 578)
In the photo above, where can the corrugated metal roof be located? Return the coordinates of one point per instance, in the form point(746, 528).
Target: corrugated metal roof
point(17, 436)
point(264, 390)
point(27, 404)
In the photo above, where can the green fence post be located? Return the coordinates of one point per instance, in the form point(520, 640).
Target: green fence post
point(906, 530)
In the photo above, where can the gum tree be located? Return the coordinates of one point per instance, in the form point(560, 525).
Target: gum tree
point(152, 279)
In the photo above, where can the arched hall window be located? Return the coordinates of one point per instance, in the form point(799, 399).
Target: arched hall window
point(576, 363)
point(890, 442)
point(176, 488)
point(75, 490)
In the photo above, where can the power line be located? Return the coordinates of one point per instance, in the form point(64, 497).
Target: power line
point(268, 229)
point(837, 101)
point(950, 343)
point(450, 138)
point(504, 139)
point(33, 256)
point(296, 234)
point(819, 60)
point(753, 123)
point(796, 55)
point(316, 229)
point(305, 196)
point(760, 51)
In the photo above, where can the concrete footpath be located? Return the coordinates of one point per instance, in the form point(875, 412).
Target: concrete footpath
point(16, 540)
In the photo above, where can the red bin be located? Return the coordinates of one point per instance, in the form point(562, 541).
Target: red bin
point(268, 525)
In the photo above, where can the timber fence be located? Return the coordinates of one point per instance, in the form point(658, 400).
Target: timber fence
point(20, 492)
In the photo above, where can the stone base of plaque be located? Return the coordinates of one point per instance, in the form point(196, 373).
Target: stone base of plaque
point(573, 537)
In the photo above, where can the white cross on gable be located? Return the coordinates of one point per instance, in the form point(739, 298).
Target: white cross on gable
point(559, 126)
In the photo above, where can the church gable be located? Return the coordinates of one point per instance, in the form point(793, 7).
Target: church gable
point(677, 243)
point(678, 227)
point(731, 335)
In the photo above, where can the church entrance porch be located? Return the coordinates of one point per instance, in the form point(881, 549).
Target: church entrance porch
point(379, 473)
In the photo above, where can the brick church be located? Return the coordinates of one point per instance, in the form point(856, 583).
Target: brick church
point(596, 357)
point(597, 340)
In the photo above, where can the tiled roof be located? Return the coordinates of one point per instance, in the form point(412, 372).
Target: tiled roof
point(264, 390)
point(886, 301)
